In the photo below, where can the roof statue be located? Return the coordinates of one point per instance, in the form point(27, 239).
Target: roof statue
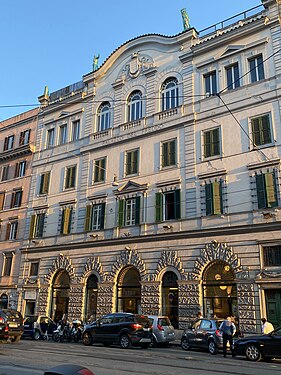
point(96, 62)
point(185, 19)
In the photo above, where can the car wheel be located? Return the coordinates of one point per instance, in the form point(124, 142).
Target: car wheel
point(144, 345)
point(36, 335)
point(212, 348)
point(87, 339)
point(252, 353)
point(125, 342)
point(153, 342)
point(184, 344)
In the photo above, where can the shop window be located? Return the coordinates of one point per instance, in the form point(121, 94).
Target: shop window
point(272, 256)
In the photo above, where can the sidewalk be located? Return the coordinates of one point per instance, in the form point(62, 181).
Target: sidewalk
point(177, 341)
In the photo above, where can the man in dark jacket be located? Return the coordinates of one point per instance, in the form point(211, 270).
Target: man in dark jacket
point(228, 331)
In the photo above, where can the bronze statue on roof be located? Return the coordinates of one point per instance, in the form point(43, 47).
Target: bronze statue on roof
point(185, 19)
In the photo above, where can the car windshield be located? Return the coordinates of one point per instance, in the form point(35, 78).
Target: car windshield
point(277, 332)
point(12, 314)
point(31, 319)
point(164, 322)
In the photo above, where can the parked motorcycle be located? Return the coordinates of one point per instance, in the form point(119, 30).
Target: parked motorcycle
point(62, 333)
point(76, 330)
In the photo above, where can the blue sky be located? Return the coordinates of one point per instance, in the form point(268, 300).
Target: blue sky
point(53, 42)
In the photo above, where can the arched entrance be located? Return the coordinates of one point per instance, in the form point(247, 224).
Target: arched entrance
point(129, 291)
point(170, 300)
point(60, 295)
point(219, 291)
point(4, 301)
point(91, 297)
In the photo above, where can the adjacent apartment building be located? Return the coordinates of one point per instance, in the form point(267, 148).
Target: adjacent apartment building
point(155, 184)
point(17, 145)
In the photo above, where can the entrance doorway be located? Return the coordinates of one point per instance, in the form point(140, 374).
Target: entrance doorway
point(129, 291)
point(4, 301)
point(273, 306)
point(91, 297)
point(60, 295)
point(170, 299)
point(219, 291)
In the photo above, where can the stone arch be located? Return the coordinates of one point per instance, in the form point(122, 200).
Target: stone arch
point(127, 258)
point(92, 265)
point(216, 251)
point(60, 263)
point(169, 261)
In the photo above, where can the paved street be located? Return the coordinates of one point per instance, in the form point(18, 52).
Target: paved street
point(32, 358)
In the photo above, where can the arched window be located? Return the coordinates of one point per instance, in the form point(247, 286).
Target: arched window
point(170, 94)
point(135, 106)
point(104, 116)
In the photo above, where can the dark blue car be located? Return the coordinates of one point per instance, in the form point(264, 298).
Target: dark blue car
point(260, 347)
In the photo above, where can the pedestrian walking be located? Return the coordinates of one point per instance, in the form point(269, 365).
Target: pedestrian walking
point(266, 326)
point(228, 331)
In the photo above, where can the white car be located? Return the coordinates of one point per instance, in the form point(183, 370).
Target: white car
point(162, 330)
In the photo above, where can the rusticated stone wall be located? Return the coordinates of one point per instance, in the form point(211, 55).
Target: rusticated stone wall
point(150, 298)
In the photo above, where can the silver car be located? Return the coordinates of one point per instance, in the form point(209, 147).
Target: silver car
point(162, 330)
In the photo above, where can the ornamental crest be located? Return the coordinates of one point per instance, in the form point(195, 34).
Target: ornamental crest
point(137, 65)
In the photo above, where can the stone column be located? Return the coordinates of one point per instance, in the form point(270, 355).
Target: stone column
point(246, 307)
point(150, 297)
point(42, 300)
point(105, 298)
point(189, 303)
point(75, 302)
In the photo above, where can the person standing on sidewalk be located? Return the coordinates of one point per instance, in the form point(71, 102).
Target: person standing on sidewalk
point(266, 326)
point(228, 331)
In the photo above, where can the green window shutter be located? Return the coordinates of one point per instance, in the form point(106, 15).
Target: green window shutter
point(87, 223)
point(256, 131)
point(217, 197)
point(41, 219)
point(129, 163)
point(96, 174)
point(261, 193)
point(102, 170)
point(102, 216)
point(266, 134)
point(121, 216)
point(32, 226)
point(66, 221)
point(67, 178)
point(216, 142)
point(137, 221)
point(158, 207)
point(270, 189)
point(135, 161)
point(73, 176)
point(46, 183)
point(62, 222)
point(8, 229)
point(172, 153)
point(207, 144)
point(177, 204)
point(209, 199)
point(165, 154)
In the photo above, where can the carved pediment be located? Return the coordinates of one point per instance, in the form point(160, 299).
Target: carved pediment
point(131, 187)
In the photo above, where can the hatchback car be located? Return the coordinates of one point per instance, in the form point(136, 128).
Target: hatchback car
point(203, 334)
point(162, 330)
point(260, 347)
point(36, 327)
point(4, 330)
point(125, 329)
point(14, 321)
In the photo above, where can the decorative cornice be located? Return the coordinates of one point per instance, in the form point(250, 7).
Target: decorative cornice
point(17, 152)
point(263, 164)
point(175, 181)
point(210, 174)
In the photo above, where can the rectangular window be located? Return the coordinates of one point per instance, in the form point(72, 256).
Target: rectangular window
point(70, 177)
point(94, 219)
point(132, 162)
point(261, 130)
point(44, 183)
point(24, 137)
point(34, 268)
point(213, 198)
point(16, 198)
point(169, 153)
point(75, 130)
point(20, 169)
point(2, 200)
point(50, 138)
point(210, 81)
point(272, 256)
point(232, 76)
point(129, 212)
point(66, 220)
point(266, 190)
point(256, 68)
point(168, 205)
point(12, 230)
point(5, 173)
point(9, 143)
point(8, 264)
point(212, 143)
point(62, 134)
point(37, 225)
point(99, 170)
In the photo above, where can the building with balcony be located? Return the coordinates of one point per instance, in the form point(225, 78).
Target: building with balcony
point(156, 180)
point(17, 145)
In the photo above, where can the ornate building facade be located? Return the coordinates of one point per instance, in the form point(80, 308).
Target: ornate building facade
point(156, 181)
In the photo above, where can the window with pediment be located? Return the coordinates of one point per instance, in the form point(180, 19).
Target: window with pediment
point(104, 115)
point(169, 94)
point(135, 106)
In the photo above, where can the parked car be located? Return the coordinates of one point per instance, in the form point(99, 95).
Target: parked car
point(260, 347)
point(4, 330)
point(14, 321)
point(124, 329)
point(37, 326)
point(162, 330)
point(203, 334)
